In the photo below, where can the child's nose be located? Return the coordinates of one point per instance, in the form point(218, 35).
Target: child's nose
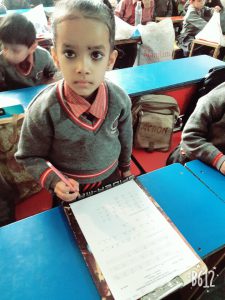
point(83, 65)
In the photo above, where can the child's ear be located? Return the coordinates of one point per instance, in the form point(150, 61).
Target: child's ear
point(112, 59)
point(54, 56)
point(33, 47)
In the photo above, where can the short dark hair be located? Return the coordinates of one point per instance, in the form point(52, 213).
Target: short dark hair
point(94, 9)
point(17, 29)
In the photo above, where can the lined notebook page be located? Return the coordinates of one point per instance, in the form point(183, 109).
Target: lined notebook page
point(134, 245)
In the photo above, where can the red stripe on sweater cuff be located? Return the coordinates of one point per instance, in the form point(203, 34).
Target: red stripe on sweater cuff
point(216, 159)
point(44, 176)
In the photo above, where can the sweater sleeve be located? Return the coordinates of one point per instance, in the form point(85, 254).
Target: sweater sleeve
point(196, 20)
point(203, 133)
point(125, 136)
point(35, 145)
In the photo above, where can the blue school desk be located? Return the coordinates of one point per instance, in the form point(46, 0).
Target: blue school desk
point(211, 177)
point(160, 76)
point(39, 259)
point(196, 211)
point(20, 97)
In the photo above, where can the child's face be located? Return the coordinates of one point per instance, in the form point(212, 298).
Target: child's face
point(83, 53)
point(15, 53)
point(198, 3)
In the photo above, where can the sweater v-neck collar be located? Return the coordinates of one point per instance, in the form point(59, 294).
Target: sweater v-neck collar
point(79, 119)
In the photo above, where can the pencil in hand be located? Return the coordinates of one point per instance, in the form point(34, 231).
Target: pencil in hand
point(62, 177)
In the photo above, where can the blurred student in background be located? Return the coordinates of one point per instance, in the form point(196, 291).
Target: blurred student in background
point(22, 62)
point(195, 20)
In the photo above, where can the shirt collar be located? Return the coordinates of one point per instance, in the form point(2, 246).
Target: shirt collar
point(26, 66)
point(79, 105)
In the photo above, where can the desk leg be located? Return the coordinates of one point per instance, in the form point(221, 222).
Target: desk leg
point(216, 52)
point(192, 48)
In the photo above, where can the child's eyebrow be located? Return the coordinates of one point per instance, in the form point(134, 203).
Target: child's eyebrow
point(68, 46)
point(99, 47)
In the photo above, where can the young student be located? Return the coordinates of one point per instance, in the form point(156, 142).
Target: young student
point(22, 62)
point(195, 20)
point(203, 134)
point(82, 124)
point(209, 3)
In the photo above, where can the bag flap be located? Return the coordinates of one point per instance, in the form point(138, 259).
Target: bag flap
point(159, 103)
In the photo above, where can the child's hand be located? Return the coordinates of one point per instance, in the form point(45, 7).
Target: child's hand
point(126, 174)
point(222, 168)
point(217, 8)
point(65, 193)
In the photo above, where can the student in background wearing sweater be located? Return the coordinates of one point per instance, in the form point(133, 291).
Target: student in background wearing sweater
point(195, 20)
point(203, 136)
point(22, 62)
point(82, 124)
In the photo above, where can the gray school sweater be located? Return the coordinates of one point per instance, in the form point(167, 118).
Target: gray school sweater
point(49, 133)
point(203, 136)
point(43, 69)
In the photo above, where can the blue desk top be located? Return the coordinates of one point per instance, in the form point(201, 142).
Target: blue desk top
point(41, 253)
point(197, 212)
point(212, 178)
point(20, 97)
point(163, 75)
point(39, 259)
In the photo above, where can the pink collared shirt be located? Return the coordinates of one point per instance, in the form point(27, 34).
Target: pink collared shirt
point(125, 10)
point(78, 105)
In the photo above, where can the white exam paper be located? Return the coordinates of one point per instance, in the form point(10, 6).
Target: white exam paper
point(134, 245)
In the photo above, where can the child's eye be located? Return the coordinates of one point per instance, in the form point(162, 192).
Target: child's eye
point(69, 54)
point(97, 55)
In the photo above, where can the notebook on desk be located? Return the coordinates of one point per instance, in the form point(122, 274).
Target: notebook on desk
point(131, 247)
